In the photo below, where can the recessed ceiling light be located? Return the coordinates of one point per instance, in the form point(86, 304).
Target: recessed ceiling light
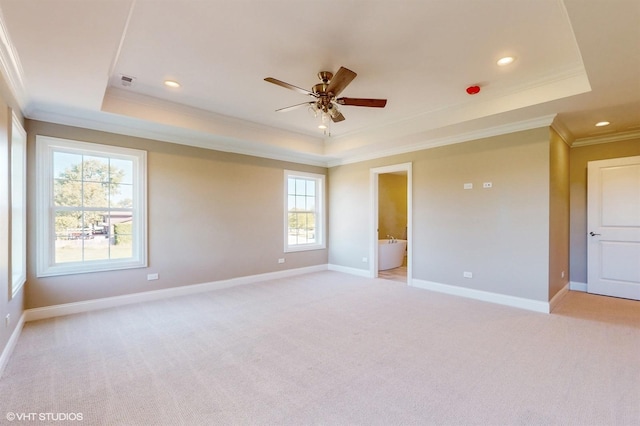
point(171, 83)
point(505, 61)
point(602, 123)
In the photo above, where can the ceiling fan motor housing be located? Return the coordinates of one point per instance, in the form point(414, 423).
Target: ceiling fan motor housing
point(325, 76)
point(320, 88)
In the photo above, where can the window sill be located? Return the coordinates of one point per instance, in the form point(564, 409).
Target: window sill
point(309, 247)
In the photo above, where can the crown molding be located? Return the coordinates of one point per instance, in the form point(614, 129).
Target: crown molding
point(11, 67)
point(166, 133)
point(563, 131)
point(614, 137)
point(487, 132)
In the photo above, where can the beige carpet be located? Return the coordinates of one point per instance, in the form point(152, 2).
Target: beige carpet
point(331, 349)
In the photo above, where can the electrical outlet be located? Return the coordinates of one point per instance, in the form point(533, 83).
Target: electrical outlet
point(7, 320)
point(468, 186)
point(487, 185)
point(562, 275)
point(365, 260)
point(151, 277)
point(281, 260)
point(467, 274)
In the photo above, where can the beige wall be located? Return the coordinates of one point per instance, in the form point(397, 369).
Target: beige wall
point(211, 216)
point(392, 205)
point(8, 305)
point(501, 234)
point(215, 215)
point(580, 156)
point(558, 214)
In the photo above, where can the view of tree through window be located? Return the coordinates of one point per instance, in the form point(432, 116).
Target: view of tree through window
point(301, 210)
point(93, 207)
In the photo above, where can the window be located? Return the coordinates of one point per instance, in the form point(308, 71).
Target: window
point(91, 207)
point(304, 204)
point(18, 206)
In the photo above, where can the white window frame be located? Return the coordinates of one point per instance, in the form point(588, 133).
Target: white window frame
point(319, 212)
point(18, 265)
point(45, 230)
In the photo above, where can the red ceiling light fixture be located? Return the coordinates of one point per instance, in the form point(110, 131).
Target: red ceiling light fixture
point(473, 90)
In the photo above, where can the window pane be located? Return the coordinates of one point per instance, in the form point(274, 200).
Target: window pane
point(99, 224)
point(311, 188)
point(93, 248)
point(67, 192)
point(93, 220)
point(67, 224)
point(69, 237)
point(95, 169)
point(95, 194)
point(121, 171)
point(309, 204)
point(121, 196)
point(67, 166)
point(122, 240)
point(96, 247)
point(293, 222)
point(299, 187)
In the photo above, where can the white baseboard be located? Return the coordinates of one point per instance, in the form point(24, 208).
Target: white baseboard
point(110, 302)
point(347, 270)
point(575, 286)
point(485, 296)
point(11, 344)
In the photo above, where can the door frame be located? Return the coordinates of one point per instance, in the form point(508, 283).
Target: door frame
point(374, 175)
point(594, 205)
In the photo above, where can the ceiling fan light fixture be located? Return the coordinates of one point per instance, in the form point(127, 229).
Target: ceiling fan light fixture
point(333, 110)
point(324, 120)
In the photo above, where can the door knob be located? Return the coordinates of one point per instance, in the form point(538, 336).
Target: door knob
point(593, 234)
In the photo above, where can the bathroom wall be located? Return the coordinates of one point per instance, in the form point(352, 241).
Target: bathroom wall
point(392, 205)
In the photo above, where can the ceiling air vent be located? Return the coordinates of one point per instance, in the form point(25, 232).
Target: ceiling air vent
point(127, 81)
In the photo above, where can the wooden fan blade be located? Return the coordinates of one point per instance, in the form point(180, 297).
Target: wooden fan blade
point(339, 81)
point(337, 117)
point(292, 107)
point(290, 86)
point(374, 103)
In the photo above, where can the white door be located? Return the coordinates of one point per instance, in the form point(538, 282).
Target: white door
point(613, 227)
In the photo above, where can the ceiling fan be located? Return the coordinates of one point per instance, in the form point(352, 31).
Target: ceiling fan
point(325, 94)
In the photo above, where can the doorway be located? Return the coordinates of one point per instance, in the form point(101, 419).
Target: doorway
point(613, 222)
point(398, 228)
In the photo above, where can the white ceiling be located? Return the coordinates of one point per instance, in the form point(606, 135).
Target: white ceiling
point(577, 61)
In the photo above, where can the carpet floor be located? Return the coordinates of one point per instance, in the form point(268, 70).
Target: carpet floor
point(329, 349)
